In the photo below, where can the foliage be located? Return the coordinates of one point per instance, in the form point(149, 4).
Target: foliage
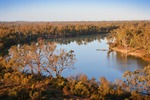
point(24, 32)
point(139, 80)
point(42, 87)
point(134, 35)
point(21, 74)
point(40, 58)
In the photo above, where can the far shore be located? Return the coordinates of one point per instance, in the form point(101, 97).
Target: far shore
point(130, 51)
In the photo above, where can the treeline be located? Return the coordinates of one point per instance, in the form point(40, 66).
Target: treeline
point(34, 72)
point(23, 32)
point(125, 33)
point(134, 35)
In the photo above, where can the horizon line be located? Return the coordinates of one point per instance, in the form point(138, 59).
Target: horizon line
point(77, 20)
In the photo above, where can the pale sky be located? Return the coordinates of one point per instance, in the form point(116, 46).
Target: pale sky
point(74, 10)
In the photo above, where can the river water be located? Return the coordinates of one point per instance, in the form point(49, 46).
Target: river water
point(94, 62)
point(94, 59)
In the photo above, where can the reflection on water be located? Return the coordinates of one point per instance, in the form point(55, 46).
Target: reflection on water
point(82, 40)
point(95, 63)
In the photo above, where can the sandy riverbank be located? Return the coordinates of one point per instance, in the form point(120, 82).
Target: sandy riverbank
point(130, 51)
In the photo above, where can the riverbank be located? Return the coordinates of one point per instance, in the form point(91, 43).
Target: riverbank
point(133, 52)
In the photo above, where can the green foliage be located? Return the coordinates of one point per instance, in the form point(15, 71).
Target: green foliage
point(89, 88)
point(18, 93)
point(25, 32)
point(17, 78)
point(44, 87)
point(81, 90)
point(104, 87)
point(16, 82)
point(132, 34)
point(35, 95)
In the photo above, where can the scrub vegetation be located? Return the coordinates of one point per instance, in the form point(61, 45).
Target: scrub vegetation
point(34, 71)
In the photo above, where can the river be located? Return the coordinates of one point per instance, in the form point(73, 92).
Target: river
point(97, 63)
point(94, 59)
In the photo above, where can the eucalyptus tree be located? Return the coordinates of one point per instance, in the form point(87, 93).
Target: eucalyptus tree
point(138, 80)
point(40, 58)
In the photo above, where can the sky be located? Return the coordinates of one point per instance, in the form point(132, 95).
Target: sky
point(74, 10)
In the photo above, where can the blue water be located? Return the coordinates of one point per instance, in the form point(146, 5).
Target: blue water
point(96, 64)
